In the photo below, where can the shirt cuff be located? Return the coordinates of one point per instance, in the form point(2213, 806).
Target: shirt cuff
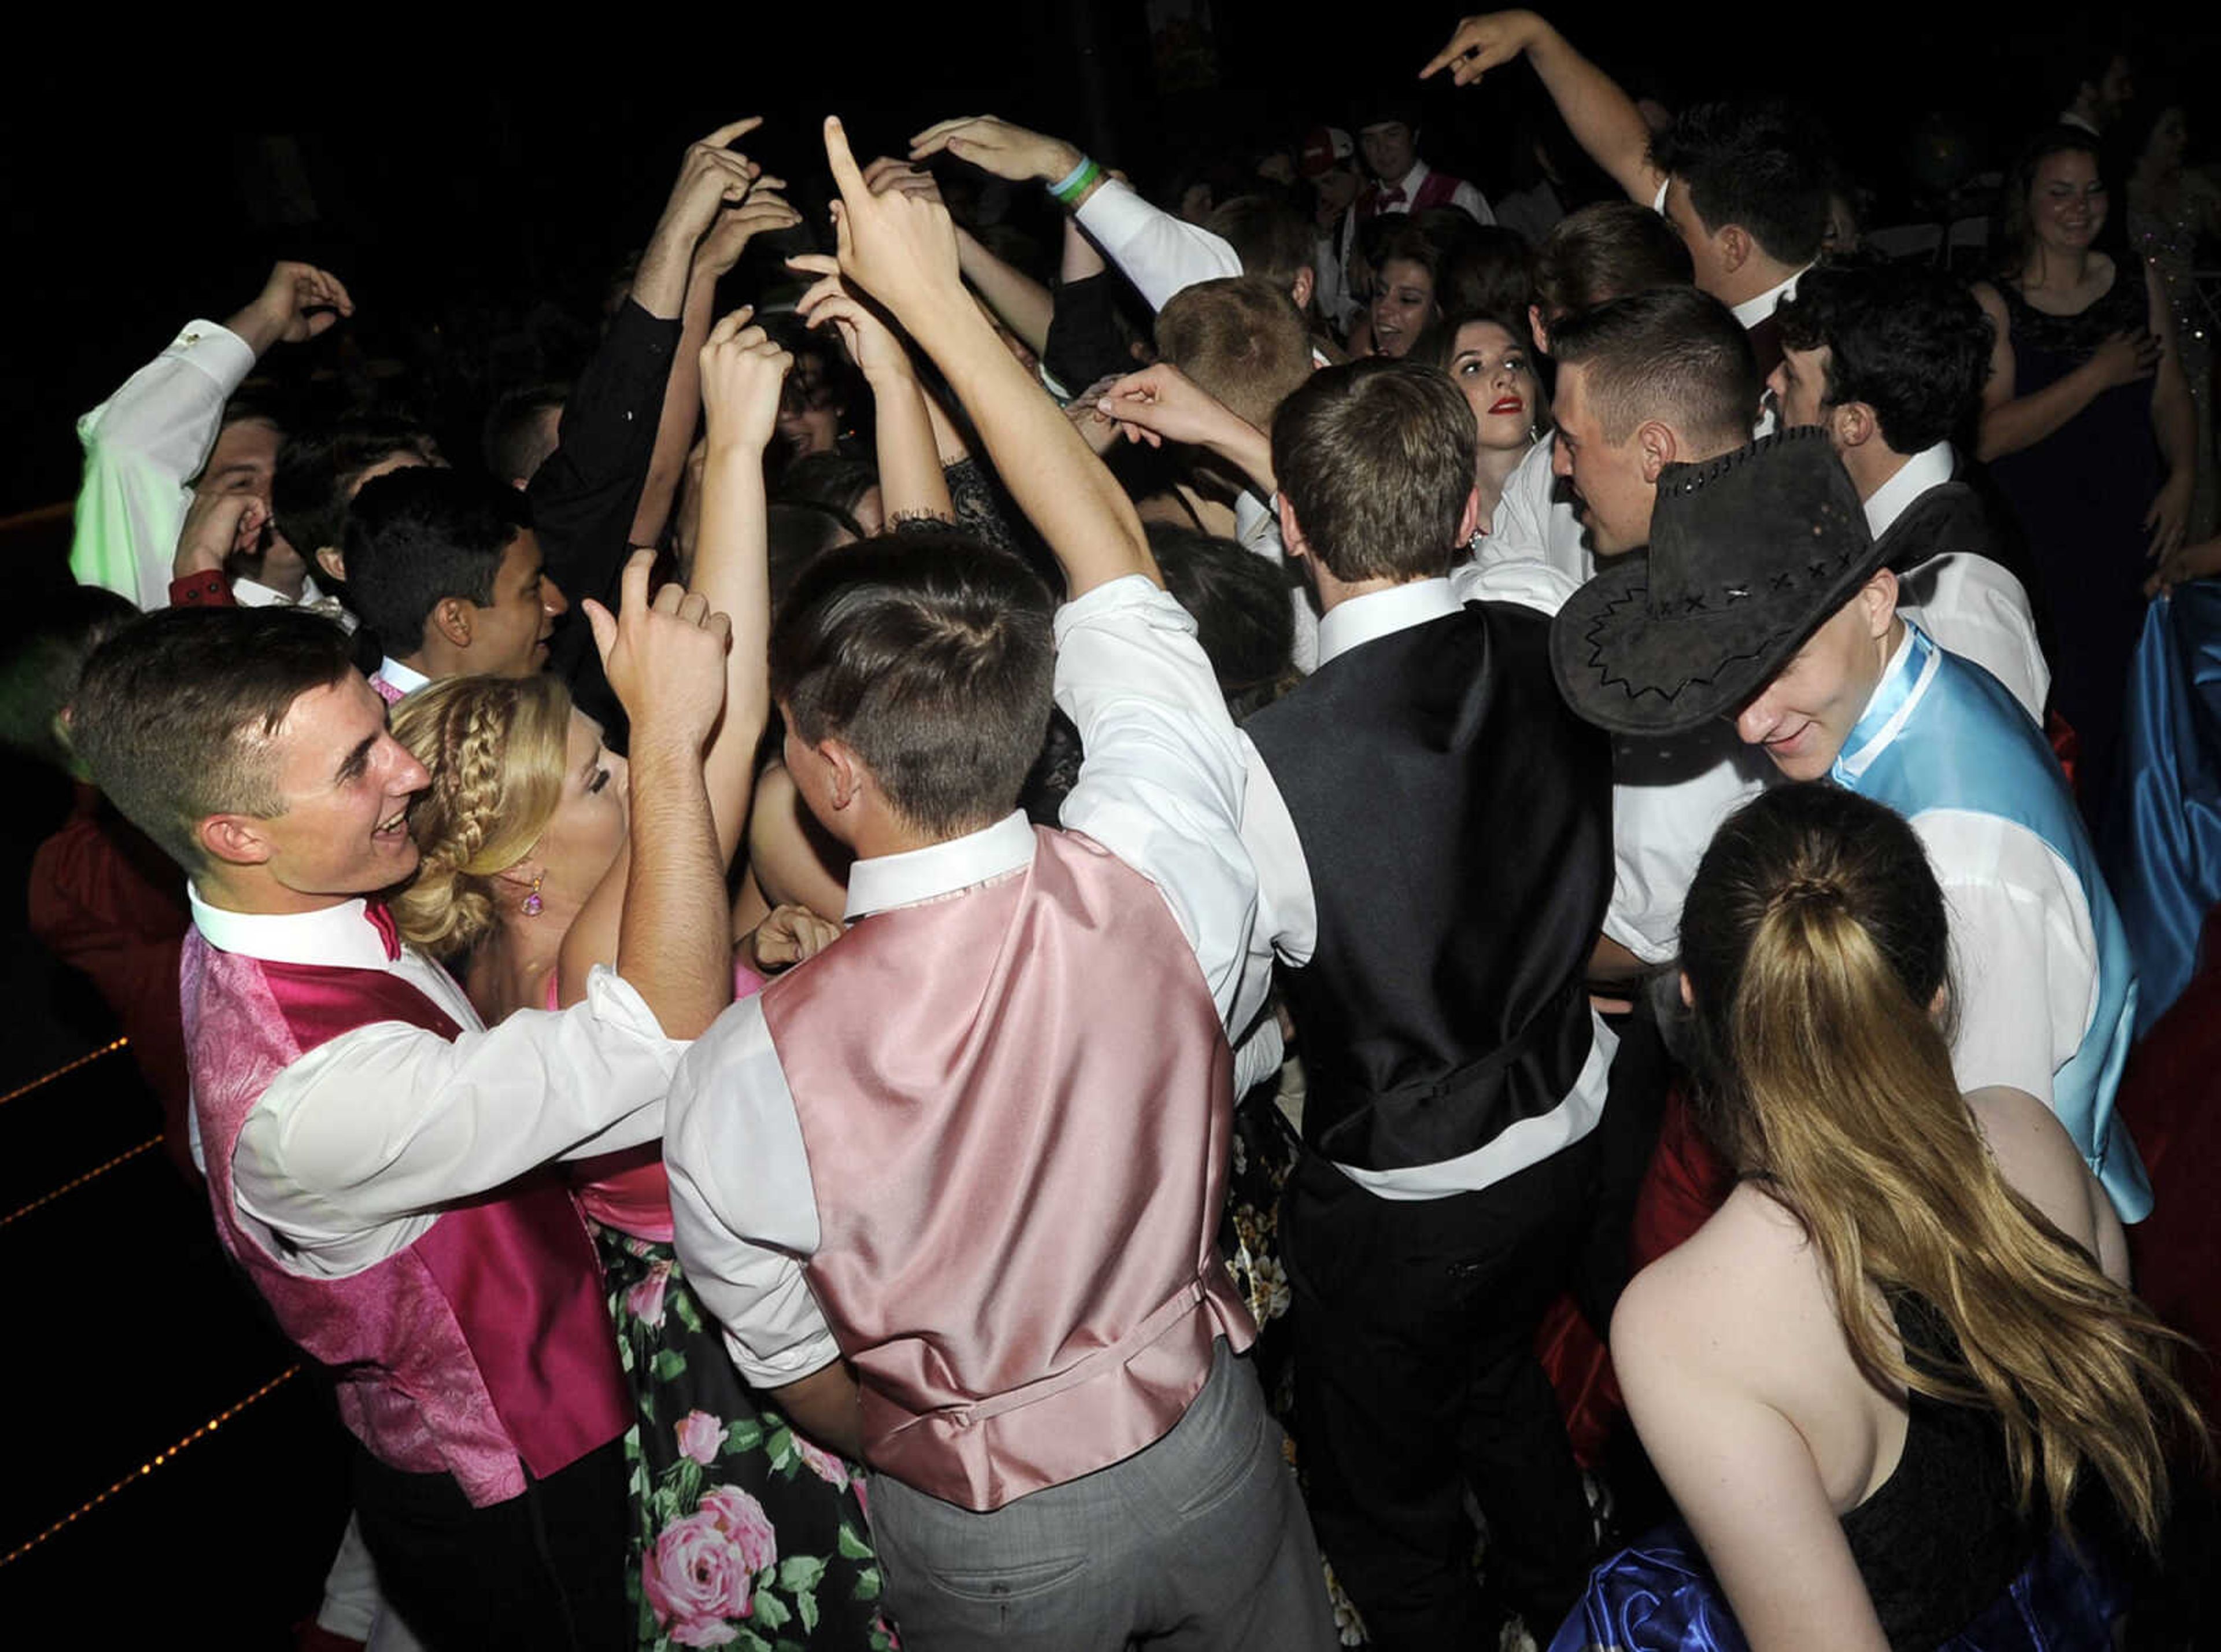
point(792, 1365)
point(215, 350)
point(616, 1003)
point(207, 589)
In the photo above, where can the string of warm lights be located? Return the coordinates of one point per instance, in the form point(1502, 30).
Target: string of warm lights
point(82, 1060)
point(98, 1170)
point(150, 1465)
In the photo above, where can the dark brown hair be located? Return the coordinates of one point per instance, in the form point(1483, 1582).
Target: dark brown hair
point(175, 714)
point(929, 656)
point(1606, 252)
point(1671, 354)
point(1376, 460)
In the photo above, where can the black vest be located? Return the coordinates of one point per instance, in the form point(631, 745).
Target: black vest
point(1957, 518)
point(1456, 819)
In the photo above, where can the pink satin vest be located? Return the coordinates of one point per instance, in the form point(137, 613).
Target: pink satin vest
point(1017, 1103)
point(483, 1349)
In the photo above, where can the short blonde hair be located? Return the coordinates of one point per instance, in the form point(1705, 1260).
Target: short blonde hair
point(497, 748)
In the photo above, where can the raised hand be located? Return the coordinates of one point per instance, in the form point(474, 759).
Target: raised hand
point(216, 525)
point(710, 175)
point(1484, 42)
point(298, 302)
point(742, 370)
point(1161, 404)
point(871, 344)
point(998, 146)
point(887, 173)
point(665, 658)
point(763, 212)
point(899, 248)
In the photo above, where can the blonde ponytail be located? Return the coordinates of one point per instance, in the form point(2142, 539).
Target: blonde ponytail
point(1832, 1080)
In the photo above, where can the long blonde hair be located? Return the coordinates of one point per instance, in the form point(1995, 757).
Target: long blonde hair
point(1815, 940)
point(496, 748)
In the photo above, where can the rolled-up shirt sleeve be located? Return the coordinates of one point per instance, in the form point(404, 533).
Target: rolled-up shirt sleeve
point(352, 1151)
point(742, 1205)
point(1162, 781)
point(142, 445)
point(1159, 254)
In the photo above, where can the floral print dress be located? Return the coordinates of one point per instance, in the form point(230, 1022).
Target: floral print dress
point(747, 1535)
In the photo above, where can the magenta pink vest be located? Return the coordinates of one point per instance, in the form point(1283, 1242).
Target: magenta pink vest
point(1017, 1103)
point(483, 1349)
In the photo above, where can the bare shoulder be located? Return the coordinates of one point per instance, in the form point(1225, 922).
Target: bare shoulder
point(1719, 1299)
point(2037, 1158)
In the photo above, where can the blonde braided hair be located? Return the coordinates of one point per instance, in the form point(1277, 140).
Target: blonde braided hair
point(496, 748)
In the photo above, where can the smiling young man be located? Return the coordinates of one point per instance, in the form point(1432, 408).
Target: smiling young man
point(375, 1158)
point(445, 569)
point(1764, 600)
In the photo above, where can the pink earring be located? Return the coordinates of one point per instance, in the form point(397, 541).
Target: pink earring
point(532, 901)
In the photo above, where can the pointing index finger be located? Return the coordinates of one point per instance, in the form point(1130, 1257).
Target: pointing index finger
point(740, 128)
point(846, 176)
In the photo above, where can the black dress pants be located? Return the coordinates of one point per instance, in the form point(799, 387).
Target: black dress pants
point(1416, 1378)
point(543, 1570)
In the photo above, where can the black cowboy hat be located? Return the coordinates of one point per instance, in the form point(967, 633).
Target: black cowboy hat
point(1749, 555)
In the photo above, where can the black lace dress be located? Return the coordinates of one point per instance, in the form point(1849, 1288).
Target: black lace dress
point(2081, 494)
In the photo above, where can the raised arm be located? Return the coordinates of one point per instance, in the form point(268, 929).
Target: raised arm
point(585, 495)
point(765, 209)
point(666, 661)
point(151, 437)
point(907, 441)
point(1602, 118)
point(1160, 253)
point(2011, 423)
point(1161, 404)
point(902, 250)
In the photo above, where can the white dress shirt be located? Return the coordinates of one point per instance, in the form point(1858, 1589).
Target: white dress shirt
point(1257, 528)
point(1465, 199)
point(405, 679)
point(1160, 787)
point(141, 445)
point(1287, 925)
point(1532, 523)
point(1969, 603)
point(350, 1155)
point(1751, 311)
point(1158, 251)
point(2023, 951)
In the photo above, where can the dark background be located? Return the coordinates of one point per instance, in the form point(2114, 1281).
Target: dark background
point(453, 186)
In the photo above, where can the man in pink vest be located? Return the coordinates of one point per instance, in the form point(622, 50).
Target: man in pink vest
point(376, 1159)
point(953, 1185)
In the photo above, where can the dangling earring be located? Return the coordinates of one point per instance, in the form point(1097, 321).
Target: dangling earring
point(1534, 433)
point(532, 901)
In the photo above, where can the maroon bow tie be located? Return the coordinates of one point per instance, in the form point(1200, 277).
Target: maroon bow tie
point(389, 932)
point(1390, 196)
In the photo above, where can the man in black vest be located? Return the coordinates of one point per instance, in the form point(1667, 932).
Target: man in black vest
point(1433, 834)
point(1891, 360)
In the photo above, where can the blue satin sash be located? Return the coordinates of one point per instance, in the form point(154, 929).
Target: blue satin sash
point(1659, 1596)
point(2162, 841)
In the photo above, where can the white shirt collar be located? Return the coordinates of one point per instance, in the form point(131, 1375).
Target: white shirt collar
point(885, 881)
point(1851, 764)
point(407, 679)
point(334, 937)
point(1929, 467)
point(1409, 182)
point(1382, 613)
point(253, 593)
point(2072, 117)
point(1751, 311)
